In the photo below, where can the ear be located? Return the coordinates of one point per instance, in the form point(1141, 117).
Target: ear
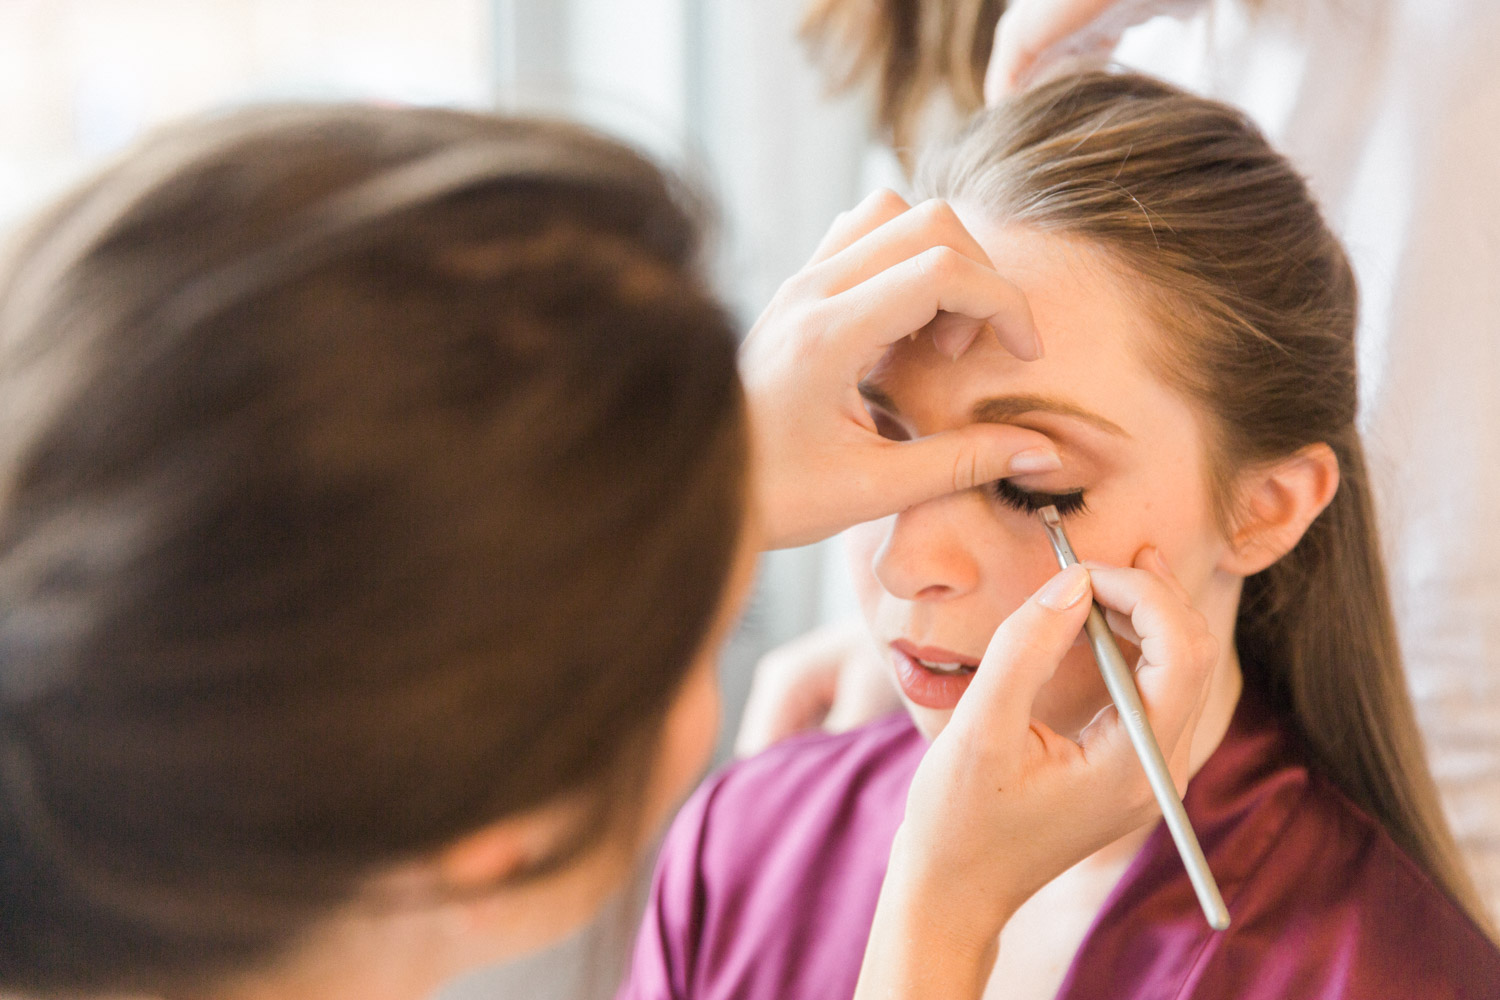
point(489, 855)
point(1277, 503)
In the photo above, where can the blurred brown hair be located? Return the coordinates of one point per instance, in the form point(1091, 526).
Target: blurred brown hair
point(912, 50)
point(1257, 304)
point(370, 475)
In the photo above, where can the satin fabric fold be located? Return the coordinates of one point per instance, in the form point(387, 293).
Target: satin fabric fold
point(767, 882)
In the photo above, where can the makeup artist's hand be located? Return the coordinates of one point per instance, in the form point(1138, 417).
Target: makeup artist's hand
point(885, 271)
point(1001, 805)
point(1037, 37)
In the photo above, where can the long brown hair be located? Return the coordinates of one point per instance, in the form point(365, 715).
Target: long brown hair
point(370, 475)
point(1257, 303)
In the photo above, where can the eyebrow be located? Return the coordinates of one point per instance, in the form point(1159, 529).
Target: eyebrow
point(1005, 409)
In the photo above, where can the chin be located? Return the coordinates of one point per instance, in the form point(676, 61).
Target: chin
point(929, 721)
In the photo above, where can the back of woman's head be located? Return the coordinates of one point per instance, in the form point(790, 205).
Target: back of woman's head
point(369, 476)
point(1254, 300)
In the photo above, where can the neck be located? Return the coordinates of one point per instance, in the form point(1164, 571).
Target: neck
point(357, 959)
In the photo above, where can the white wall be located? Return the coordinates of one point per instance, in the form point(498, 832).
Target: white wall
point(80, 78)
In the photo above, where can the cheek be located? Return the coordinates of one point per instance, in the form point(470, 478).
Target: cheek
point(1019, 569)
point(1010, 549)
point(1180, 526)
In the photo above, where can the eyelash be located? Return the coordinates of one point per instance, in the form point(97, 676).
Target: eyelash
point(1001, 490)
point(1029, 502)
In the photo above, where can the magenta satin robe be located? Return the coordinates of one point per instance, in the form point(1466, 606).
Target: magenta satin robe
point(767, 882)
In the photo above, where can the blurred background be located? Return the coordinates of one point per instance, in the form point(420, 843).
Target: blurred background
point(720, 89)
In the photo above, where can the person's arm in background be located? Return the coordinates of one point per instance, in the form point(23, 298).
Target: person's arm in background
point(1037, 38)
point(832, 678)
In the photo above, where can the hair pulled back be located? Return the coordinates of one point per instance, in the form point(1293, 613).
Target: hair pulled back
point(1256, 302)
point(370, 475)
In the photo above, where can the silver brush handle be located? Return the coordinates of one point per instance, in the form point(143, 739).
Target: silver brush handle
point(1119, 679)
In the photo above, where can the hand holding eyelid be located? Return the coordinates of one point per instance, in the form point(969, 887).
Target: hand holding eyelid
point(821, 465)
point(1120, 681)
point(885, 240)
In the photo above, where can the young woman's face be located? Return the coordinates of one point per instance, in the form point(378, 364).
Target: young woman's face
point(936, 580)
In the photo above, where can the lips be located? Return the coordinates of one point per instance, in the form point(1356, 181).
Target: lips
point(930, 676)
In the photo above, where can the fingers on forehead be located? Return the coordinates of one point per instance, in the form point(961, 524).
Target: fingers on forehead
point(889, 232)
point(910, 295)
point(877, 208)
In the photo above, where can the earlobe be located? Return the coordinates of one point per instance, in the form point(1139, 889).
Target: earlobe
point(487, 856)
point(1277, 504)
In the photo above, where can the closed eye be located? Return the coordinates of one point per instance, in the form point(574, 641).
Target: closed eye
point(1030, 501)
point(887, 426)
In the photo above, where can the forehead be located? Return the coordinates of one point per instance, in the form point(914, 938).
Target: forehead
point(1095, 335)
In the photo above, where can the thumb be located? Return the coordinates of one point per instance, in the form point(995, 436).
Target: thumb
point(1024, 654)
point(961, 459)
point(1029, 33)
point(1010, 59)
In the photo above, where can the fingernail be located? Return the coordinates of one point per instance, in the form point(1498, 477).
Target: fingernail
point(1065, 589)
point(952, 341)
point(1160, 562)
point(1036, 342)
point(1034, 460)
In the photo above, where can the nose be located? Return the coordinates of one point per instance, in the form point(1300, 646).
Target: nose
point(928, 555)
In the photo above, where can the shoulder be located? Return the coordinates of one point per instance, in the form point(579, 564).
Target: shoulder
point(1332, 907)
point(1323, 904)
point(830, 765)
point(807, 793)
point(1336, 901)
point(768, 878)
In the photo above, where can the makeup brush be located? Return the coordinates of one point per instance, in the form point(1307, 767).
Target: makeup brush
point(1120, 681)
